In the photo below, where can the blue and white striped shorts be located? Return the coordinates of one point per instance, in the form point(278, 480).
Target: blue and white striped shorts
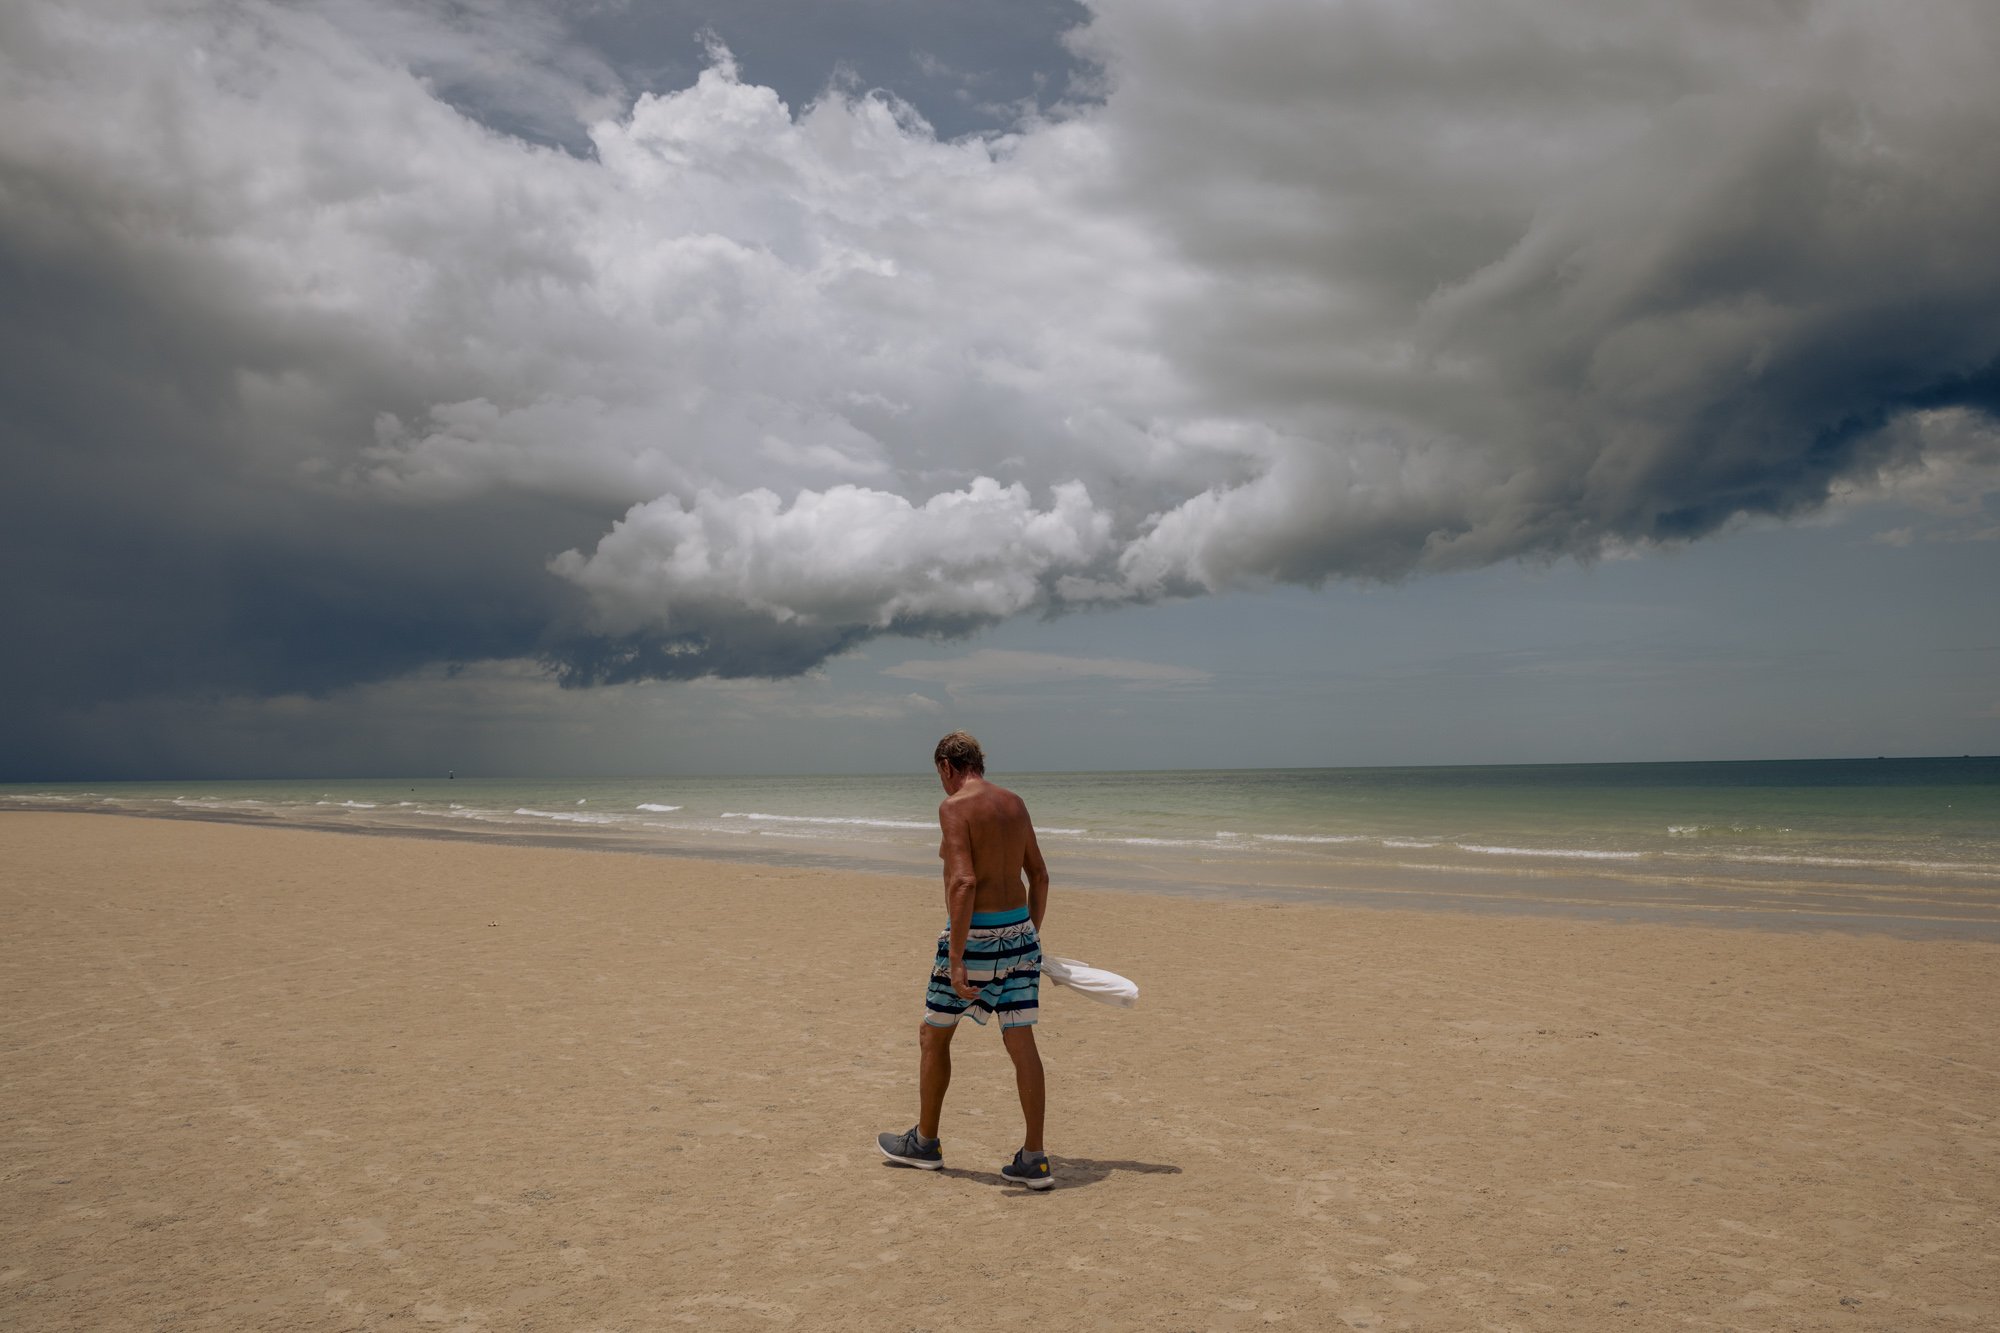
point(1003, 958)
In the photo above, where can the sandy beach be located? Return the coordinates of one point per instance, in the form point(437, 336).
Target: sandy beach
point(275, 1079)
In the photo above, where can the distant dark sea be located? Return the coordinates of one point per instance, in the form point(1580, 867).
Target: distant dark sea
point(1911, 845)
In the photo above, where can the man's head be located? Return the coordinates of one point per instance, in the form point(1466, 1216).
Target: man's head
point(960, 753)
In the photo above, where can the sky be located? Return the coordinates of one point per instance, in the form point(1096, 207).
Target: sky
point(579, 387)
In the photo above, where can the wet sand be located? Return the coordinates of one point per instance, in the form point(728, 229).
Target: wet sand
point(268, 1078)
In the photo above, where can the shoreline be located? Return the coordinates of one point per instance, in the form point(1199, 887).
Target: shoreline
point(268, 1077)
point(1915, 907)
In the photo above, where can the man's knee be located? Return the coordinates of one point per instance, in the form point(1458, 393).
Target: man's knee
point(1019, 1041)
point(934, 1038)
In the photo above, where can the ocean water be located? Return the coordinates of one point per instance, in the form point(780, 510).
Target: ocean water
point(1911, 845)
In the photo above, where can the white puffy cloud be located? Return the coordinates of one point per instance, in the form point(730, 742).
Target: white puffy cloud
point(844, 556)
point(1319, 290)
point(735, 299)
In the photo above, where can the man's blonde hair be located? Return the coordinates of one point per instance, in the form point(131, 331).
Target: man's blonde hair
point(960, 752)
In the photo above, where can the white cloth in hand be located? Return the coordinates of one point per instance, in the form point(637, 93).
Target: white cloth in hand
point(1104, 987)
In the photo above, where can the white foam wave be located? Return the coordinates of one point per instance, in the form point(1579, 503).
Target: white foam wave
point(658, 809)
point(1565, 853)
point(1699, 830)
point(1407, 844)
point(1071, 832)
point(566, 817)
point(1309, 837)
point(348, 805)
point(823, 819)
point(1945, 867)
point(483, 816)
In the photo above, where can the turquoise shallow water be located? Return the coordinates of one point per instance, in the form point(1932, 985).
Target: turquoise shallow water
point(1905, 844)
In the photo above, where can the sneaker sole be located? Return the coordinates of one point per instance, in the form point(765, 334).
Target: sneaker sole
point(1038, 1183)
point(917, 1162)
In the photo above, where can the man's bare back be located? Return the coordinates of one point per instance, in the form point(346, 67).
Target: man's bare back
point(988, 838)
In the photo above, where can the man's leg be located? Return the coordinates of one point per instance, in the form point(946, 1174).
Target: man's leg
point(933, 1075)
point(1020, 1043)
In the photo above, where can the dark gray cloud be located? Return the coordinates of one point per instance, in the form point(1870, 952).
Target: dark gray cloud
point(1555, 277)
point(321, 366)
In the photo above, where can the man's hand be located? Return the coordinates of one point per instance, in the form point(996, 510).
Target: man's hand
point(960, 985)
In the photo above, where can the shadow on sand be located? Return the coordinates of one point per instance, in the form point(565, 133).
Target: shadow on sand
point(1069, 1172)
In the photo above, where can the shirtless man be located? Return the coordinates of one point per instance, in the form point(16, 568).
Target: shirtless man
point(990, 959)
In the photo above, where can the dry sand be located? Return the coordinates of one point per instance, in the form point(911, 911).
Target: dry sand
point(269, 1079)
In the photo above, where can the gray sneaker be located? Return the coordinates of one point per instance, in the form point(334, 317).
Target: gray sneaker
point(1030, 1171)
point(911, 1150)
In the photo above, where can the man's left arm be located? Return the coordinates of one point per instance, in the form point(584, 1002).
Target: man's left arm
point(961, 888)
point(1037, 871)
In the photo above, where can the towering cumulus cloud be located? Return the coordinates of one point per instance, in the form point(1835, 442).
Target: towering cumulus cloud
point(318, 374)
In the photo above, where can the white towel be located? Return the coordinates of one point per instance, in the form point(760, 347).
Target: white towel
point(1104, 987)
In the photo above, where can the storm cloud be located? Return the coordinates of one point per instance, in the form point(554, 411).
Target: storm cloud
point(323, 366)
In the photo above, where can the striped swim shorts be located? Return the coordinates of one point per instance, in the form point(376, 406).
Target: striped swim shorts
point(1003, 958)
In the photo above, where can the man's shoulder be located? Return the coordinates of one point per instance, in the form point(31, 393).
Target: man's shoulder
point(989, 798)
point(1006, 803)
point(995, 794)
point(961, 803)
